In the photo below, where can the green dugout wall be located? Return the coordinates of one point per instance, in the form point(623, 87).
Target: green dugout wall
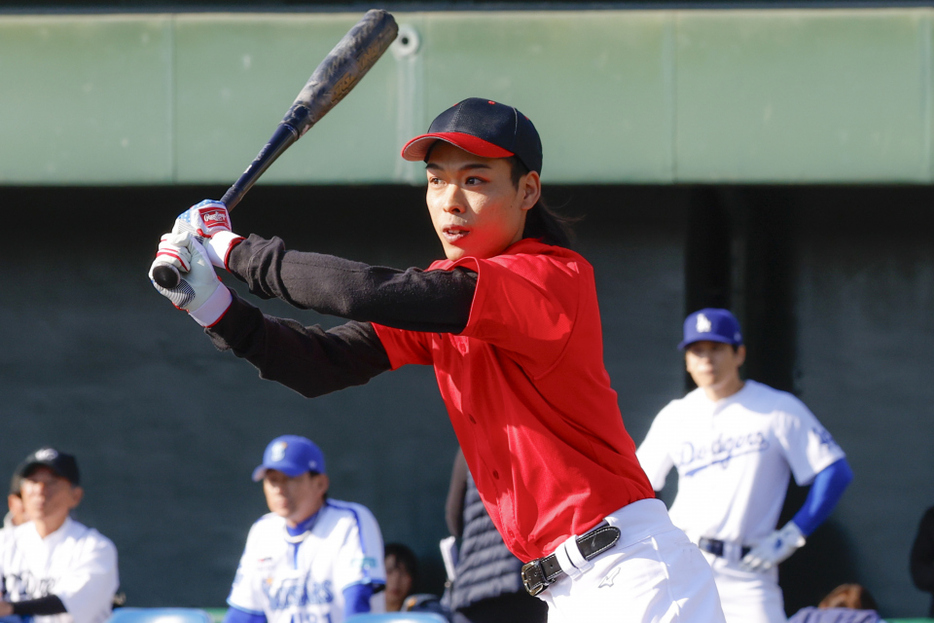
point(620, 96)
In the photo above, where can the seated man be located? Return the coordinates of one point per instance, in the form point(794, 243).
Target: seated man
point(311, 558)
point(401, 567)
point(55, 569)
point(848, 603)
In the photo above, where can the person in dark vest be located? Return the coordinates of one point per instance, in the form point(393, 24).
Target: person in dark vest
point(487, 583)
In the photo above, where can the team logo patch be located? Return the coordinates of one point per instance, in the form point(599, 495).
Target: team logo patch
point(703, 324)
point(278, 451)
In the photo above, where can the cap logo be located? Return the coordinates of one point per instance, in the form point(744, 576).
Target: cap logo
point(278, 451)
point(47, 454)
point(703, 324)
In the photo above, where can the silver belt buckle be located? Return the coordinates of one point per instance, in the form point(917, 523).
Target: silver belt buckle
point(533, 578)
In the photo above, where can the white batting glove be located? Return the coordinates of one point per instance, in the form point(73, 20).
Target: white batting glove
point(210, 222)
point(199, 291)
point(776, 548)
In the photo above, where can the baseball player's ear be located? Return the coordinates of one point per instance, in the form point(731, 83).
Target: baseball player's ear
point(77, 494)
point(741, 354)
point(532, 189)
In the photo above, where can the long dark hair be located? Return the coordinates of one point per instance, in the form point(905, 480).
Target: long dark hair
point(542, 221)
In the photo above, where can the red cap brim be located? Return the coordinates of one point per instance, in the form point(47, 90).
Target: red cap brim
point(416, 149)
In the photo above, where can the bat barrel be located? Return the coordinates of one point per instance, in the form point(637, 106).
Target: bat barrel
point(342, 69)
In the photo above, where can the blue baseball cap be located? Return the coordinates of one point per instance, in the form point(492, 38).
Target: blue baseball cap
point(292, 455)
point(712, 325)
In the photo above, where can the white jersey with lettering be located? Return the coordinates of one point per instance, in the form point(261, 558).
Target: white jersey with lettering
point(302, 579)
point(734, 458)
point(76, 563)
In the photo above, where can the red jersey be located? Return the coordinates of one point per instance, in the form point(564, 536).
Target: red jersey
point(529, 397)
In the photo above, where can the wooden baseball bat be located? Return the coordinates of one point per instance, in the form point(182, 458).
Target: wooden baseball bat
point(335, 77)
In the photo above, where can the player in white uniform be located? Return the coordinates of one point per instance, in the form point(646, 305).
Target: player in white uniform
point(735, 444)
point(311, 559)
point(55, 569)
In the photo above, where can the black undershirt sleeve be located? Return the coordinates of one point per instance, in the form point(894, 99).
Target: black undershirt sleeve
point(411, 299)
point(314, 361)
point(42, 606)
point(308, 359)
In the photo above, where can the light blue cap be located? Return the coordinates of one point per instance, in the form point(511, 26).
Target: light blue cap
point(292, 455)
point(712, 325)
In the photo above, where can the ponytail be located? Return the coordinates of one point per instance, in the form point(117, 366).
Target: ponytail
point(541, 221)
point(552, 228)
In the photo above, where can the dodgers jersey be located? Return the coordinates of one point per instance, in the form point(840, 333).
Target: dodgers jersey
point(734, 458)
point(302, 579)
point(76, 563)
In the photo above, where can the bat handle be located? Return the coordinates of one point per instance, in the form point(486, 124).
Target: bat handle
point(281, 139)
point(166, 276)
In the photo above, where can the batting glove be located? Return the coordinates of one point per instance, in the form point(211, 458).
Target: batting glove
point(199, 291)
point(210, 222)
point(776, 548)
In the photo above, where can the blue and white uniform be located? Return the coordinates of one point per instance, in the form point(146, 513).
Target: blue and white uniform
point(734, 457)
point(306, 574)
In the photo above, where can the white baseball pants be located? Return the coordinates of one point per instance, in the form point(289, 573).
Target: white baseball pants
point(747, 596)
point(654, 574)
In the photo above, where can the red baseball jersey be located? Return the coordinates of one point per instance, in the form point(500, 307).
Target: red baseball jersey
point(529, 397)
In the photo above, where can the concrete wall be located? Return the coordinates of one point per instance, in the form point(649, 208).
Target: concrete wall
point(778, 95)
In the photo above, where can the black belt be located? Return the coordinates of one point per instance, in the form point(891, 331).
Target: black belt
point(716, 547)
point(542, 573)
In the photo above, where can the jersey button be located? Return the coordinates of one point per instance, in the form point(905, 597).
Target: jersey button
point(471, 418)
point(495, 474)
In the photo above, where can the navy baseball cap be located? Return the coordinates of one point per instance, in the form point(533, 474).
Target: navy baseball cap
point(62, 464)
point(484, 128)
point(292, 455)
point(712, 325)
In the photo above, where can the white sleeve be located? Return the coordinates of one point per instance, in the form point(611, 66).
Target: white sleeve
point(653, 452)
point(244, 594)
point(808, 447)
point(88, 588)
point(361, 555)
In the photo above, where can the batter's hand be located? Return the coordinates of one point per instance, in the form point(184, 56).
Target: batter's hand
point(210, 222)
point(203, 220)
point(776, 548)
point(199, 292)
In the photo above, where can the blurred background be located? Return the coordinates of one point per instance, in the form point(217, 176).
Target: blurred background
point(774, 158)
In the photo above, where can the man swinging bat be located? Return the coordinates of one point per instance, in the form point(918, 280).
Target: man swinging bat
point(511, 324)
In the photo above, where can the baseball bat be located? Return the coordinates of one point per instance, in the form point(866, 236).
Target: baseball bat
point(334, 78)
